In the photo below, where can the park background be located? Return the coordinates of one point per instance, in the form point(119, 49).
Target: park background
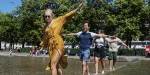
point(22, 27)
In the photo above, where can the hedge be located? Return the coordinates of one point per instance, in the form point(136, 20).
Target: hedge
point(124, 52)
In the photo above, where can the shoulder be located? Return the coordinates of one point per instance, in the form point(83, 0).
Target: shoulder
point(79, 33)
point(92, 34)
point(118, 39)
point(107, 39)
point(58, 18)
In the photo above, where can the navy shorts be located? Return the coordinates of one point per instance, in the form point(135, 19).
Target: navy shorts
point(112, 56)
point(100, 52)
point(85, 55)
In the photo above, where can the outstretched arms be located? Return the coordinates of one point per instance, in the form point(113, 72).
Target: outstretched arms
point(124, 44)
point(101, 35)
point(70, 34)
point(120, 41)
point(72, 13)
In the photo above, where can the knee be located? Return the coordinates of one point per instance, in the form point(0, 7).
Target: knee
point(84, 67)
point(96, 60)
point(53, 66)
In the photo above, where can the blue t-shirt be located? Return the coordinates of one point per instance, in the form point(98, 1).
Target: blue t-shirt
point(85, 39)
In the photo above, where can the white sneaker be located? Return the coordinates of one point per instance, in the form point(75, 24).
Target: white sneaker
point(103, 72)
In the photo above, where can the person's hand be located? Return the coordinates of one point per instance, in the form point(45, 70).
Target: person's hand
point(79, 7)
point(127, 46)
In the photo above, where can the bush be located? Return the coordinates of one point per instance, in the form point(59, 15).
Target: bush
point(131, 52)
point(26, 50)
point(73, 51)
point(125, 52)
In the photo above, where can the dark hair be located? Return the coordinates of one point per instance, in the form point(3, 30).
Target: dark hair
point(85, 21)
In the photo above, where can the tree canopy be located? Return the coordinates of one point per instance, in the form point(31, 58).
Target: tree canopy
point(125, 17)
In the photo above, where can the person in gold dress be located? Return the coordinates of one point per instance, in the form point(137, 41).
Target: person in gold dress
point(53, 40)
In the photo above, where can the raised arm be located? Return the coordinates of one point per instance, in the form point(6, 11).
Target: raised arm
point(102, 35)
point(120, 41)
point(71, 34)
point(73, 12)
point(124, 44)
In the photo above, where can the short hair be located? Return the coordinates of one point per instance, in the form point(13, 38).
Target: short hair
point(85, 21)
point(49, 11)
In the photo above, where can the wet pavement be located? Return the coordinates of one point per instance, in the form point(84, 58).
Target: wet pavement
point(23, 64)
point(16, 65)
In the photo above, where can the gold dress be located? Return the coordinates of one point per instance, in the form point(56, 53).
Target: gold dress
point(53, 40)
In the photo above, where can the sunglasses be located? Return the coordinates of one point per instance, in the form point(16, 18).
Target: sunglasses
point(46, 16)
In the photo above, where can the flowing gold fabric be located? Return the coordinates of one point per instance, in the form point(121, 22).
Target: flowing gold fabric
point(53, 40)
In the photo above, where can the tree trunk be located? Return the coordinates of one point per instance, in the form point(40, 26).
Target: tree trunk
point(129, 39)
point(5, 46)
point(10, 47)
point(23, 44)
point(13, 46)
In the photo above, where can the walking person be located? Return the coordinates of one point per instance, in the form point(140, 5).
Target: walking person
point(113, 42)
point(99, 52)
point(85, 42)
point(53, 40)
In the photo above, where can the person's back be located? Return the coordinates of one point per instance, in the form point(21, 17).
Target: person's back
point(113, 44)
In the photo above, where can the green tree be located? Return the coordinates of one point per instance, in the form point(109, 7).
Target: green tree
point(124, 18)
point(145, 19)
point(30, 15)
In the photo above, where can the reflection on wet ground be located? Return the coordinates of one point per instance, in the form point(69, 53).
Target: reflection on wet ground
point(14, 65)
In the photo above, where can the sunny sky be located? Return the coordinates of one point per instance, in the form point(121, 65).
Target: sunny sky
point(6, 6)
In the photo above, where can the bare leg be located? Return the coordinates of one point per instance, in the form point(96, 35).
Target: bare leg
point(110, 64)
point(88, 69)
point(55, 57)
point(102, 65)
point(114, 63)
point(84, 68)
point(96, 65)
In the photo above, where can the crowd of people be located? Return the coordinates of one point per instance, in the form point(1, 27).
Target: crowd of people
point(55, 44)
point(100, 41)
point(37, 51)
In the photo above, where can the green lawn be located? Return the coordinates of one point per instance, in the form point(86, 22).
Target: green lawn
point(139, 68)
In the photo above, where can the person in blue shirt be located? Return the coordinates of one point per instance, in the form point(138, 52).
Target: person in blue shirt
point(85, 42)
